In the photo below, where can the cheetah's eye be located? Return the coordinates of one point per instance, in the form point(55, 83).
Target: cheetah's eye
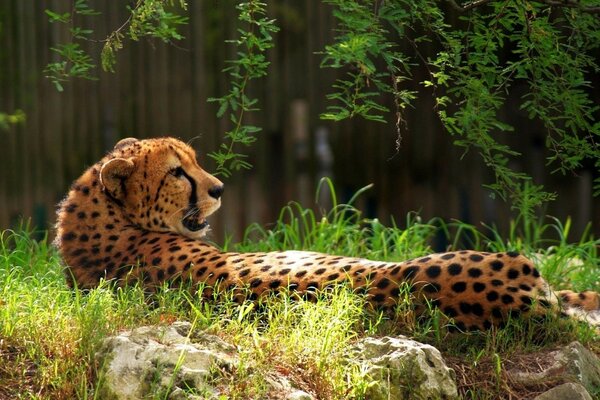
point(177, 172)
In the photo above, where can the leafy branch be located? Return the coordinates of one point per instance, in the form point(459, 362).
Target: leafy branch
point(471, 78)
point(255, 38)
point(147, 18)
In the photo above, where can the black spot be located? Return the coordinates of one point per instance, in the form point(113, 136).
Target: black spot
point(265, 268)
point(110, 226)
point(83, 237)
point(370, 276)
point(512, 289)
point(512, 254)
point(220, 264)
point(512, 274)
point(320, 271)
point(173, 249)
point(459, 287)
point(81, 215)
point(487, 324)
point(85, 190)
point(432, 287)
point(477, 309)
point(465, 308)
point(410, 272)
point(497, 265)
point(525, 287)
point(293, 286)
point(582, 296)
point(259, 261)
point(507, 299)
point(434, 271)
point(526, 300)
point(312, 286)
point(526, 269)
point(383, 283)
point(182, 257)
point(284, 271)
point(70, 208)
point(474, 272)
point(172, 270)
point(346, 268)
point(222, 276)
point(448, 256)
point(300, 274)
point(244, 272)
point(478, 287)
point(492, 295)
point(275, 284)
point(380, 297)
point(78, 252)
point(497, 313)
point(67, 237)
point(454, 269)
point(476, 257)
point(160, 275)
point(497, 282)
point(201, 271)
point(395, 271)
point(256, 282)
point(96, 236)
point(424, 259)
point(188, 266)
point(237, 260)
point(151, 241)
point(536, 273)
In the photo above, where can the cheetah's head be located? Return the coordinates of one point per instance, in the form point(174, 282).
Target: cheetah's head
point(159, 186)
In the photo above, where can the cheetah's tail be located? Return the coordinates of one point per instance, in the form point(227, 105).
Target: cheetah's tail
point(584, 306)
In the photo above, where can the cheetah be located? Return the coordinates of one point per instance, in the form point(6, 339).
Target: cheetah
point(139, 214)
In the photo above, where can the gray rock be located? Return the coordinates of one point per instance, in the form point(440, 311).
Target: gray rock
point(403, 369)
point(567, 391)
point(163, 359)
point(574, 363)
point(299, 395)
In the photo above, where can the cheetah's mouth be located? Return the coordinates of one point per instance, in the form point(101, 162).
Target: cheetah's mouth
point(194, 225)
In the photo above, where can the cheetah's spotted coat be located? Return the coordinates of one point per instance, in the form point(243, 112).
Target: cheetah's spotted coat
point(140, 213)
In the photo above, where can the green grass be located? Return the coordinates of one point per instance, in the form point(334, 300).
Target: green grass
point(49, 333)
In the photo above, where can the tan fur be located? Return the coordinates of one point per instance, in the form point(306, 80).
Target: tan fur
point(128, 217)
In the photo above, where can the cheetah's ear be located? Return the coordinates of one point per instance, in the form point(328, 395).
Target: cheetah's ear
point(125, 142)
point(113, 174)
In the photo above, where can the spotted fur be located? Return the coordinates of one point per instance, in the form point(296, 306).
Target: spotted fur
point(140, 214)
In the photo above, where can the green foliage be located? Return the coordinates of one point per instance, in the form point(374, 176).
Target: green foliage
point(147, 18)
point(7, 120)
point(478, 62)
point(251, 63)
point(479, 59)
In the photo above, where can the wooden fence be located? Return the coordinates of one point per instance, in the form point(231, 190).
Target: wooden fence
point(161, 90)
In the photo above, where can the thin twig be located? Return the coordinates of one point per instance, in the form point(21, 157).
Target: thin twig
point(552, 3)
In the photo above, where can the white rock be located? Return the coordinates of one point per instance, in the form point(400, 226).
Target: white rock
point(402, 368)
point(162, 359)
point(567, 391)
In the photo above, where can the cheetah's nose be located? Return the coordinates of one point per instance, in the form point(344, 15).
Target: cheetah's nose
point(216, 191)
